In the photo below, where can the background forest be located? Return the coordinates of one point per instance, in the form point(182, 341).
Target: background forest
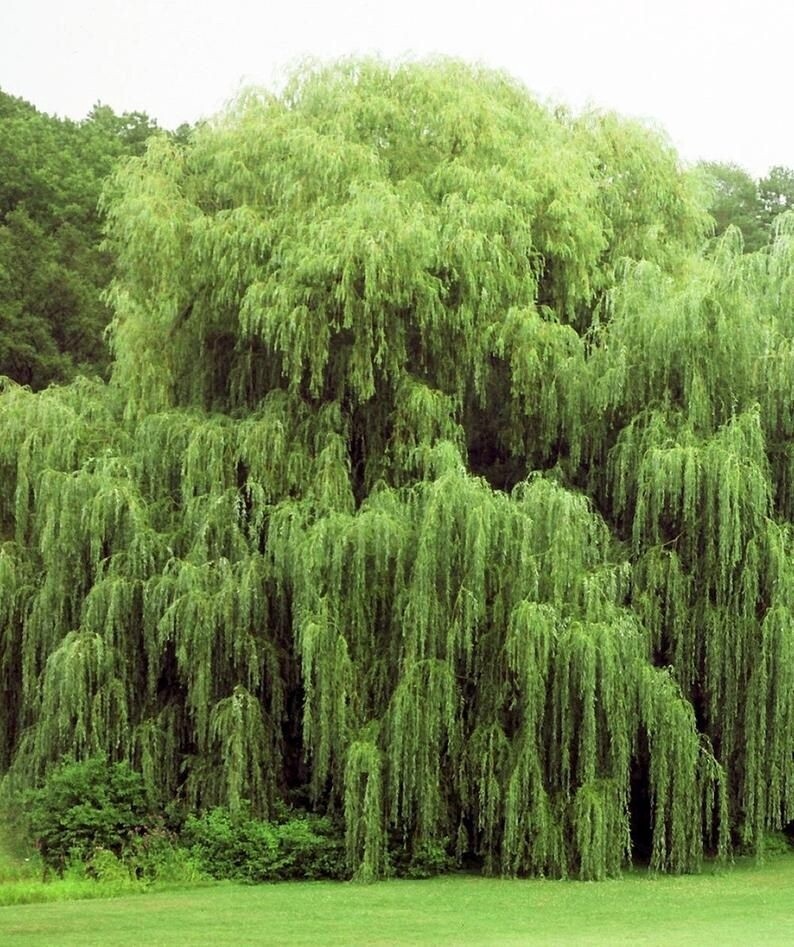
point(438, 478)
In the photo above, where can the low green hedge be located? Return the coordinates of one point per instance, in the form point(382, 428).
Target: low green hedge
point(242, 848)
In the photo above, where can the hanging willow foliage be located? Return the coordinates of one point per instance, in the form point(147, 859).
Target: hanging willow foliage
point(443, 479)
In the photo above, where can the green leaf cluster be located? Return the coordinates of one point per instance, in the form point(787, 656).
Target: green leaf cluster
point(86, 806)
point(53, 269)
point(237, 847)
point(736, 199)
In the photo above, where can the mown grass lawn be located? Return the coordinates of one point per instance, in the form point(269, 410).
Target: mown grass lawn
point(747, 905)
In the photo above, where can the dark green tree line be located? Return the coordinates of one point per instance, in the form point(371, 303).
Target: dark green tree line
point(52, 268)
point(753, 206)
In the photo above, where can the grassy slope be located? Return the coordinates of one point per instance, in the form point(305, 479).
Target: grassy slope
point(745, 905)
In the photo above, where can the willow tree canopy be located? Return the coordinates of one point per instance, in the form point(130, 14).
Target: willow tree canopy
point(441, 478)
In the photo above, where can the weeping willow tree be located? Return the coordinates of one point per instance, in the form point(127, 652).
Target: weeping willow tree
point(445, 477)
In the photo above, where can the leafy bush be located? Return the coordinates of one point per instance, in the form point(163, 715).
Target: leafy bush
point(424, 860)
point(775, 843)
point(239, 847)
point(103, 866)
point(158, 856)
point(87, 806)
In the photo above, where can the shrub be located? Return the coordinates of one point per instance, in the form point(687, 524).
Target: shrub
point(775, 843)
point(87, 806)
point(104, 866)
point(158, 856)
point(239, 847)
point(425, 860)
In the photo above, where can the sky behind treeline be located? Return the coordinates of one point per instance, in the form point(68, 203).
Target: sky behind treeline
point(715, 74)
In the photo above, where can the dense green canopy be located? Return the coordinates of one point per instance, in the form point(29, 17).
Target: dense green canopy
point(52, 268)
point(735, 199)
point(443, 475)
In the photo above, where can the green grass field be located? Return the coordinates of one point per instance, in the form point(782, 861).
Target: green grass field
point(746, 905)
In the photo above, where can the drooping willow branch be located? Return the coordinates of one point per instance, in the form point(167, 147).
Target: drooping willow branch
point(441, 481)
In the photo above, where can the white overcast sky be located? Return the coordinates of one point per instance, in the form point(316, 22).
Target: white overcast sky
point(717, 75)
